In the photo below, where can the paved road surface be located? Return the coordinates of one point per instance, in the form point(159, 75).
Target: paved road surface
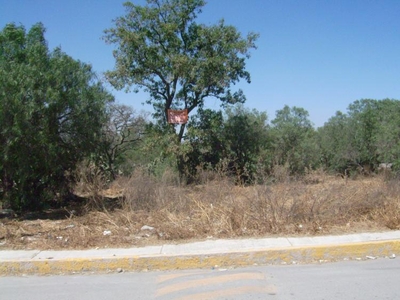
point(372, 279)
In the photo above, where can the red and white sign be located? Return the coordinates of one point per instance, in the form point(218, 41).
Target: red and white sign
point(177, 116)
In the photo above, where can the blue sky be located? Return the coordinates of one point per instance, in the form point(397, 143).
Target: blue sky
point(316, 54)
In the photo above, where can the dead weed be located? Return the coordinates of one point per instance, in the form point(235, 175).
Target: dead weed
point(217, 209)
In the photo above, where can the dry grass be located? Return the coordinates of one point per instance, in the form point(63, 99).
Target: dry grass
point(315, 205)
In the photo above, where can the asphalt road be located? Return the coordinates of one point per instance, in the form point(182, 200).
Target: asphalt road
point(371, 279)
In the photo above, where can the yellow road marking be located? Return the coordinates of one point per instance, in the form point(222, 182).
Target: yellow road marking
point(228, 292)
point(207, 281)
point(163, 278)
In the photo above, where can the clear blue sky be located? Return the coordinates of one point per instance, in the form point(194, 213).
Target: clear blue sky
point(316, 54)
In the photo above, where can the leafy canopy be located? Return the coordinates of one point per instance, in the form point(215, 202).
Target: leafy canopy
point(161, 49)
point(293, 138)
point(368, 135)
point(51, 115)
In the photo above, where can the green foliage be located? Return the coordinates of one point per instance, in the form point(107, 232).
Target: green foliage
point(236, 139)
point(334, 143)
point(204, 141)
point(294, 139)
point(161, 49)
point(51, 115)
point(364, 117)
point(155, 153)
point(246, 135)
point(369, 134)
point(387, 132)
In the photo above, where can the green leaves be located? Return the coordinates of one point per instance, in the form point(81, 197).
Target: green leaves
point(369, 134)
point(179, 62)
point(237, 139)
point(51, 114)
point(293, 137)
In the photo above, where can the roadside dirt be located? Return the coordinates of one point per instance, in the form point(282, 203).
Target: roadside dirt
point(94, 231)
point(246, 212)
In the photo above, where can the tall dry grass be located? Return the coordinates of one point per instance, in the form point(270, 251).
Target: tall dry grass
point(316, 204)
point(216, 208)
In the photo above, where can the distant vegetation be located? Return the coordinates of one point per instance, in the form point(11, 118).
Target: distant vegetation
point(62, 131)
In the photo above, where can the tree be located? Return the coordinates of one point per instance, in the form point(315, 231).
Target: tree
point(246, 134)
point(234, 140)
point(51, 114)
point(376, 125)
point(335, 143)
point(387, 134)
point(161, 49)
point(364, 137)
point(122, 131)
point(293, 139)
point(205, 140)
point(364, 116)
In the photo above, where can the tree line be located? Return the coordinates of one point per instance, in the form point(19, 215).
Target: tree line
point(55, 113)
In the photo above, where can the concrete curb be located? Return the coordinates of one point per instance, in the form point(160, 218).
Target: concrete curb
point(207, 254)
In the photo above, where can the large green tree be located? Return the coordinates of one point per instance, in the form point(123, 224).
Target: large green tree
point(204, 141)
point(293, 139)
point(51, 115)
point(335, 143)
point(364, 120)
point(233, 141)
point(369, 134)
point(161, 49)
point(387, 133)
point(246, 135)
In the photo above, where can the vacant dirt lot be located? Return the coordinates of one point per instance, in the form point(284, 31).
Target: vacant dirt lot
point(140, 211)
